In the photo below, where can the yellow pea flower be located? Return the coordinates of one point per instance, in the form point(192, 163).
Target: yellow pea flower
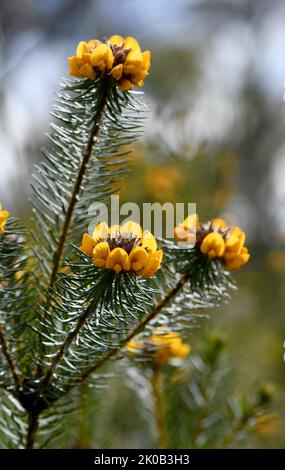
point(78, 67)
point(134, 62)
point(116, 40)
point(118, 260)
point(125, 84)
point(102, 57)
point(140, 72)
point(169, 345)
point(3, 217)
point(239, 260)
point(138, 258)
point(131, 43)
point(100, 232)
point(234, 243)
point(219, 223)
point(100, 254)
point(213, 245)
point(186, 232)
point(120, 58)
point(82, 50)
point(86, 70)
point(132, 228)
point(215, 239)
point(117, 72)
point(152, 265)
point(88, 244)
point(161, 347)
point(148, 241)
point(123, 248)
point(93, 43)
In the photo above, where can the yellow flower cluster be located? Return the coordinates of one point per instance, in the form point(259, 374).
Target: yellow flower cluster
point(161, 346)
point(123, 248)
point(120, 58)
point(215, 239)
point(3, 217)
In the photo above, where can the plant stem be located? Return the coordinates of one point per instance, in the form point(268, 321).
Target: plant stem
point(33, 422)
point(8, 356)
point(156, 382)
point(78, 183)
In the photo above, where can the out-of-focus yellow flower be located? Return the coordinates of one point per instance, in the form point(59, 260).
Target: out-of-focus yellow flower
point(169, 346)
point(123, 248)
point(3, 217)
point(213, 245)
point(268, 423)
point(133, 346)
point(162, 181)
point(120, 58)
point(215, 239)
point(161, 347)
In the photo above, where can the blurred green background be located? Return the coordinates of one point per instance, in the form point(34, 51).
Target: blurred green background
point(215, 136)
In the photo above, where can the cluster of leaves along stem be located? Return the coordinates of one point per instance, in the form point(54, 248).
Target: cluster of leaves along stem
point(61, 319)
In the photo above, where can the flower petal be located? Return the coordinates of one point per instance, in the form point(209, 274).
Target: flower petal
point(118, 257)
point(81, 49)
point(238, 260)
point(149, 241)
point(153, 264)
point(116, 40)
point(219, 223)
point(101, 250)
point(131, 228)
point(100, 232)
point(191, 222)
point(131, 43)
point(138, 258)
point(117, 72)
point(102, 57)
point(88, 244)
point(146, 60)
point(125, 84)
point(114, 230)
point(213, 245)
